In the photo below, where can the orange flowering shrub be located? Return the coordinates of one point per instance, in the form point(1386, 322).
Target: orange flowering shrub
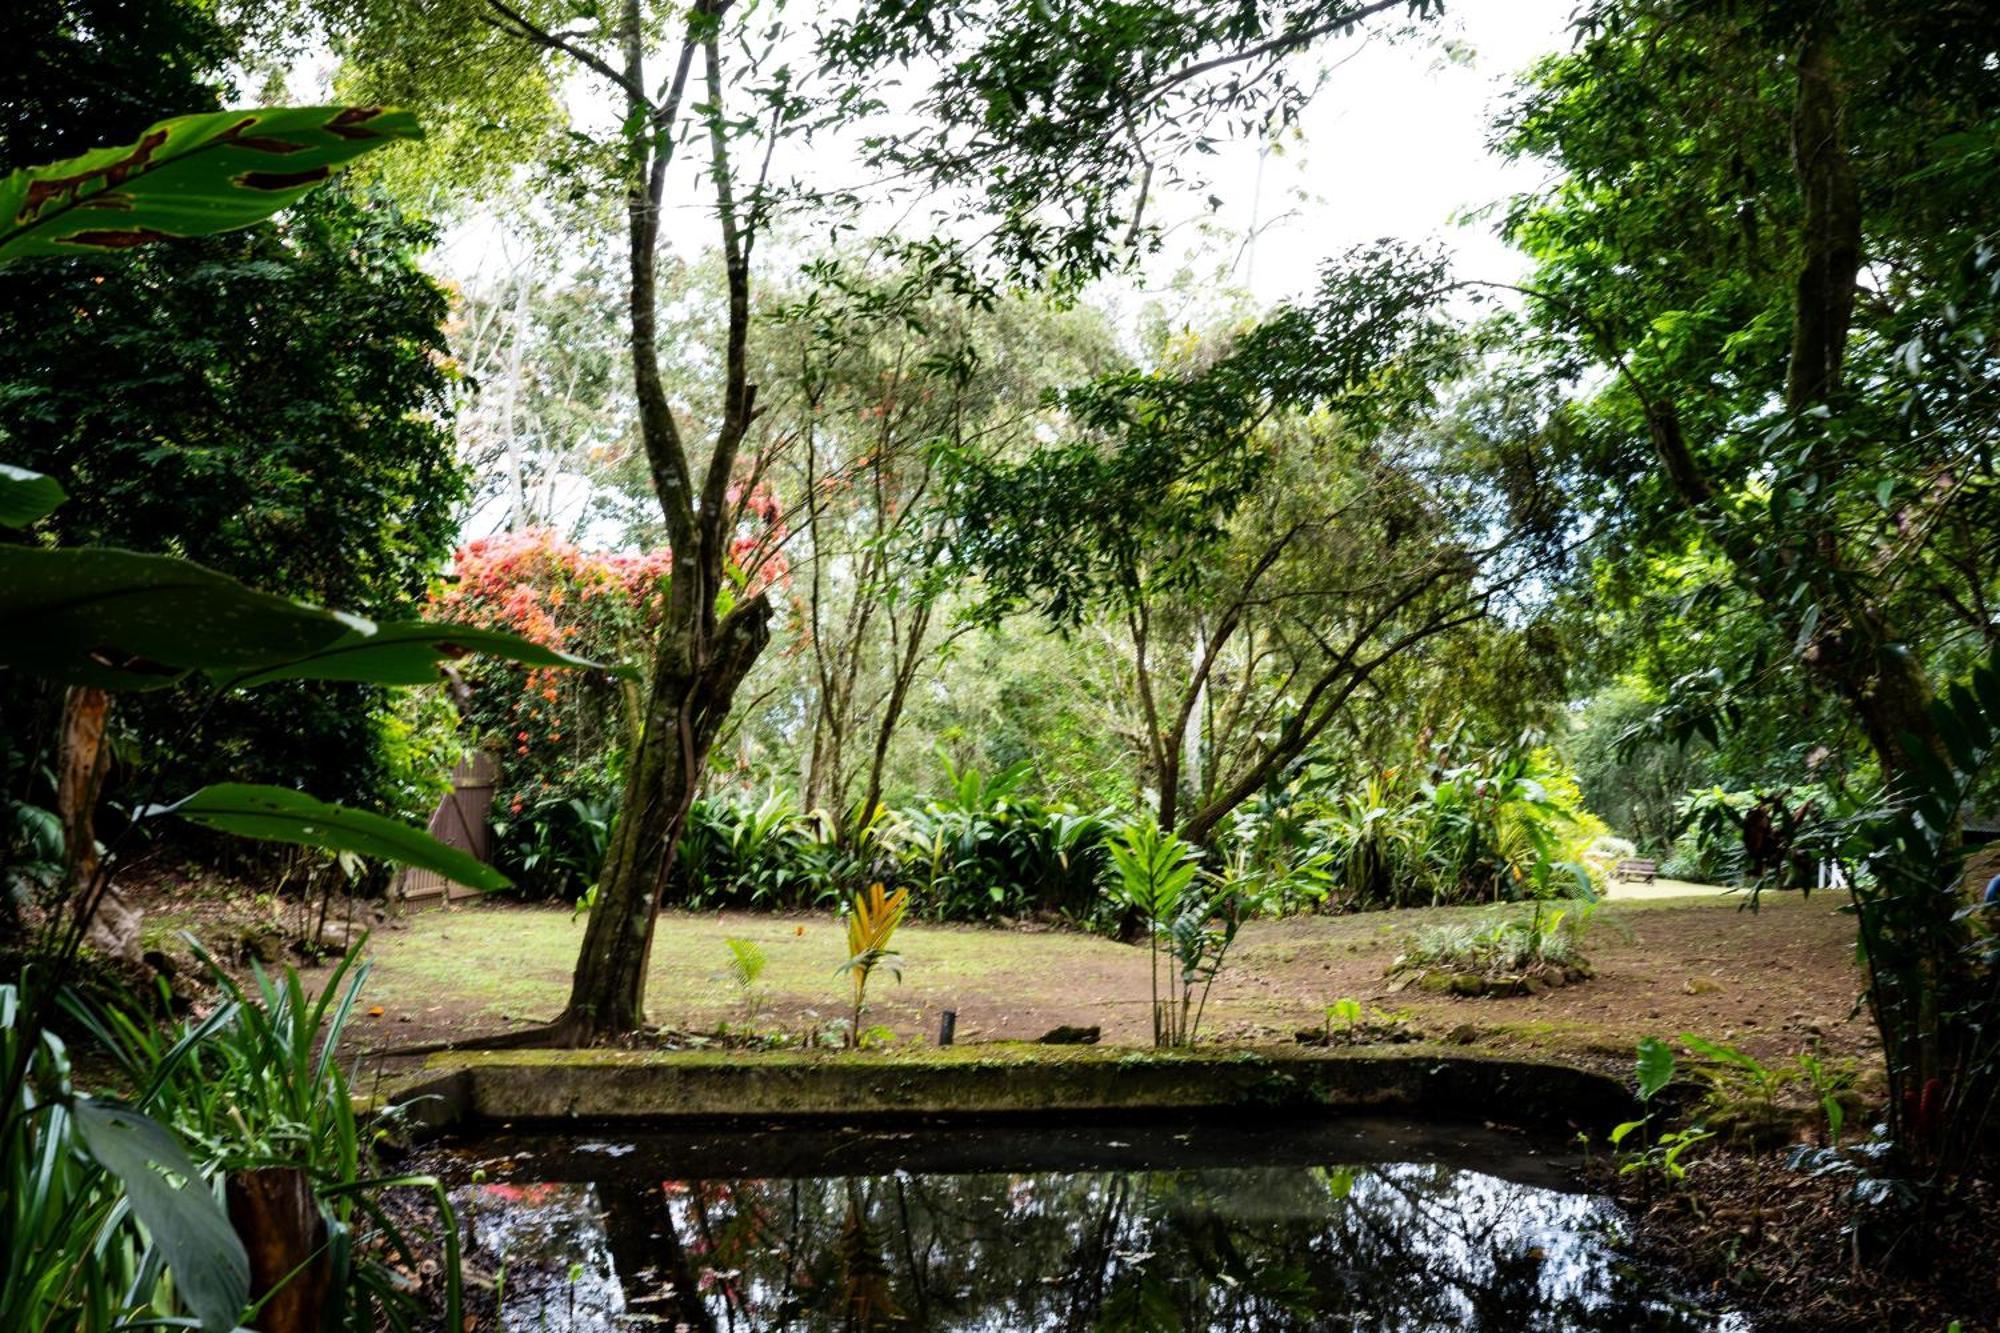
point(557, 731)
point(563, 736)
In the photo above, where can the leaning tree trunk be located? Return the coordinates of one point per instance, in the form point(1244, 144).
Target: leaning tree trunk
point(691, 693)
point(701, 657)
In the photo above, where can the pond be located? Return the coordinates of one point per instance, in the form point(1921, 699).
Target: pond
point(1242, 1223)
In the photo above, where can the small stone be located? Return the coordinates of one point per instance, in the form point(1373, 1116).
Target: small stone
point(263, 943)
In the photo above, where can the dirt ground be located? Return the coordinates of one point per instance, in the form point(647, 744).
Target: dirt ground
point(1769, 981)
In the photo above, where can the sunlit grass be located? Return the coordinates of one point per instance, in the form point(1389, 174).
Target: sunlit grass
point(515, 963)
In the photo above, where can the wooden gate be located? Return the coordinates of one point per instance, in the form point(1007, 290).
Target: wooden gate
point(462, 820)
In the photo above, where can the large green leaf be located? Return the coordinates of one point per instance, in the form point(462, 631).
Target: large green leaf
point(188, 176)
point(123, 620)
point(26, 496)
point(1720, 1053)
point(178, 1209)
point(279, 814)
point(409, 653)
point(1655, 1067)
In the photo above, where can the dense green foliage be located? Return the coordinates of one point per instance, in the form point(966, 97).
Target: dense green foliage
point(982, 851)
point(1767, 266)
point(256, 1084)
point(1461, 825)
point(1203, 616)
point(270, 403)
point(1801, 471)
point(109, 1218)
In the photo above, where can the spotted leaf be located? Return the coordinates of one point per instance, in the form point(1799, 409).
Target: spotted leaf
point(189, 176)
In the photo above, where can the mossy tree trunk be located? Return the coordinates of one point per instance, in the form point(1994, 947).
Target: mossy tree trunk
point(710, 635)
point(687, 704)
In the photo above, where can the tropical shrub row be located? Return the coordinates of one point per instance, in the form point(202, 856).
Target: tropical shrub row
point(1497, 827)
point(1461, 825)
point(981, 851)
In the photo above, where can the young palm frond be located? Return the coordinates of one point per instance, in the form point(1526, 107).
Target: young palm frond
point(871, 919)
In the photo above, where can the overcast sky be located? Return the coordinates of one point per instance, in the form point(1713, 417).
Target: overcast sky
point(1394, 145)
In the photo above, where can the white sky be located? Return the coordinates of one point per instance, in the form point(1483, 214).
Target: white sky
point(1394, 145)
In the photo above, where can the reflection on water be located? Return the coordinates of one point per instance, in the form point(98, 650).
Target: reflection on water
point(603, 1241)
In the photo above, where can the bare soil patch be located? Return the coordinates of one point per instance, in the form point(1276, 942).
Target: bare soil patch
point(1768, 981)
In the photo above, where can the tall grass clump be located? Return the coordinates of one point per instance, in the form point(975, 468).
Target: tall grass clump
point(249, 1101)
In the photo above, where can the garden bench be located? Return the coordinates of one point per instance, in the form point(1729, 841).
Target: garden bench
point(1638, 869)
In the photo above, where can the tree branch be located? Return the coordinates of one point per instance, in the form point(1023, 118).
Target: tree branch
point(1276, 46)
point(515, 24)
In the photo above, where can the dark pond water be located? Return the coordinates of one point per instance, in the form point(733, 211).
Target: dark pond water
point(1230, 1224)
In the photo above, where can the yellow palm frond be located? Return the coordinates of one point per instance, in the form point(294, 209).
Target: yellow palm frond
point(873, 919)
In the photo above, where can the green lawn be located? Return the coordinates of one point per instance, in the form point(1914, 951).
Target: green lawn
point(1665, 962)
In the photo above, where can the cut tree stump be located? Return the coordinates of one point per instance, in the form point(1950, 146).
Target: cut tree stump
point(277, 1217)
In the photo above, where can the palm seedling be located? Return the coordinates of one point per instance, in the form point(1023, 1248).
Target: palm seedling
point(746, 964)
point(1153, 872)
point(872, 919)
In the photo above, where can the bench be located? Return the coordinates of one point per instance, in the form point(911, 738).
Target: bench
point(1641, 870)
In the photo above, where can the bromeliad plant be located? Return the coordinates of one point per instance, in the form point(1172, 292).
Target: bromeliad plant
point(81, 1177)
point(112, 1216)
point(1506, 943)
point(872, 919)
point(257, 1092)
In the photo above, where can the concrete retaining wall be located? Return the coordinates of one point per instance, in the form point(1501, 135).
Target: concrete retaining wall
point(1411, 1081)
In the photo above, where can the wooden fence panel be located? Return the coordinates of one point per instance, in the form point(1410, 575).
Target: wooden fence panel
point(463, 819)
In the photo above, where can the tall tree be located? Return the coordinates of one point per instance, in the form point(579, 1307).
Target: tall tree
point(1782, 304)
point(1277, 525)
point(1772, 234)
point(886, 393)
point(729, 86)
